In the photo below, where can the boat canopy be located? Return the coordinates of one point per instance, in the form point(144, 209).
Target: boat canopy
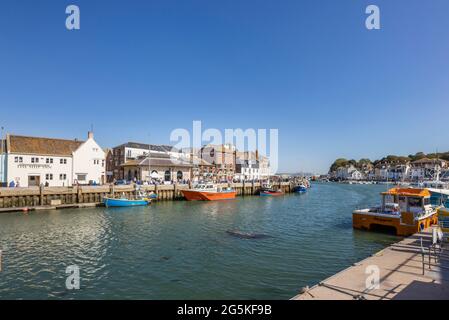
point(408, 192)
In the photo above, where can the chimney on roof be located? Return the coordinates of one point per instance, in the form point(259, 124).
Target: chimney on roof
point(90, 135)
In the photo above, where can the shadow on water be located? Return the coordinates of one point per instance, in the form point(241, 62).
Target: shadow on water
point(381, 229)
point(247, 235)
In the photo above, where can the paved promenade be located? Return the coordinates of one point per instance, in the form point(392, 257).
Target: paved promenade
point(401, 275)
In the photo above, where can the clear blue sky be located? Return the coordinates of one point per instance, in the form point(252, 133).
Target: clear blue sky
point(309, 68)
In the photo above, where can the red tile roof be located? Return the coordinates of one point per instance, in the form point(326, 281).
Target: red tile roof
point(41, 146)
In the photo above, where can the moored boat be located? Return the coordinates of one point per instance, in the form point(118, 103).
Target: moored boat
point(123, 202)
point(300, 189)
point(271, 193)
point(268, 190)
point(208, 192)
point(141, 199)
point(404, 210)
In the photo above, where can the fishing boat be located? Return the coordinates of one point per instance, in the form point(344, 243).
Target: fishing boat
point(209, 192)
point(300, 189)
point(268, 190)
point(403, 210)
point(141, 199)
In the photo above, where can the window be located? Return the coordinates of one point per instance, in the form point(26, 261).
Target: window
point(63, 161)
point(128, 154)
point(49, 160)
point(179, 175)
point(49, 176)
point(62, 176)
point(167, 175)
point(34, 160)
point(18, 159)
point(415, 202)
point(102, 163)
point(81, 177)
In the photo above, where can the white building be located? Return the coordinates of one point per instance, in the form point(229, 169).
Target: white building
point(251, 166)
point(32, 161)
point(348, 173)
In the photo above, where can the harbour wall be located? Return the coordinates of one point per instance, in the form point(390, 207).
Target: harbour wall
point(33, 197)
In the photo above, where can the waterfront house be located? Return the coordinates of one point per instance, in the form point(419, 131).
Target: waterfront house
point(223, 157)
point(132, 151)
point(264, 166)
point(247, 166)
point(32, 161)
point(202, 170)
point(399, 172)
point(109, 157)
point(425, 168)
point(163, 168)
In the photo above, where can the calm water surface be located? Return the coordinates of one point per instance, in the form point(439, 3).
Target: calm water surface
point(180, 250)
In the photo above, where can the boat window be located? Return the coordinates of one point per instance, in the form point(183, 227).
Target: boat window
point(426, 201)
point(415, 202)
point(402, 203)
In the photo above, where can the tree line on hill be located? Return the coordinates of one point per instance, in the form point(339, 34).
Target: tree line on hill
point(390, 159)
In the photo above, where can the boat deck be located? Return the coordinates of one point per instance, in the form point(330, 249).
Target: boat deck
point(401, 275)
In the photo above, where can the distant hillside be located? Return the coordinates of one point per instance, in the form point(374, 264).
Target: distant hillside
point(390, 159)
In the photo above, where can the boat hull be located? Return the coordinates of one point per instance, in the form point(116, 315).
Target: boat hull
point(271, 193)
point(364, 220)
point(193, 195)
point(299, 190)
point(110, 202)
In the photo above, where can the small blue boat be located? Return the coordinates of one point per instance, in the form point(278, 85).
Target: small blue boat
point(300, 189)
point(123, 202)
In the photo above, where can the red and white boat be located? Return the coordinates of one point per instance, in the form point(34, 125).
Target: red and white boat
point(208, 192)
point(267, 190)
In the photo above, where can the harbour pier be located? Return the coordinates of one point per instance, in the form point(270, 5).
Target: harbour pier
point(409, 269)
point(35, 198)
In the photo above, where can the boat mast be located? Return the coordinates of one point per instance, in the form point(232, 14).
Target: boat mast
point(149, 158)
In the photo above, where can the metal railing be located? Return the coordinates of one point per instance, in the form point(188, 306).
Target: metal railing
point(435, 251)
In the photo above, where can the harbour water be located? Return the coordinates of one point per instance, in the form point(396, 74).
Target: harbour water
point(181, 250)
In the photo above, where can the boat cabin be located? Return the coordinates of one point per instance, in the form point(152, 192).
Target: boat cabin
point(404, 210)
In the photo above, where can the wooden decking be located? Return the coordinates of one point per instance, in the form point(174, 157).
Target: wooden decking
point(401, 275)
